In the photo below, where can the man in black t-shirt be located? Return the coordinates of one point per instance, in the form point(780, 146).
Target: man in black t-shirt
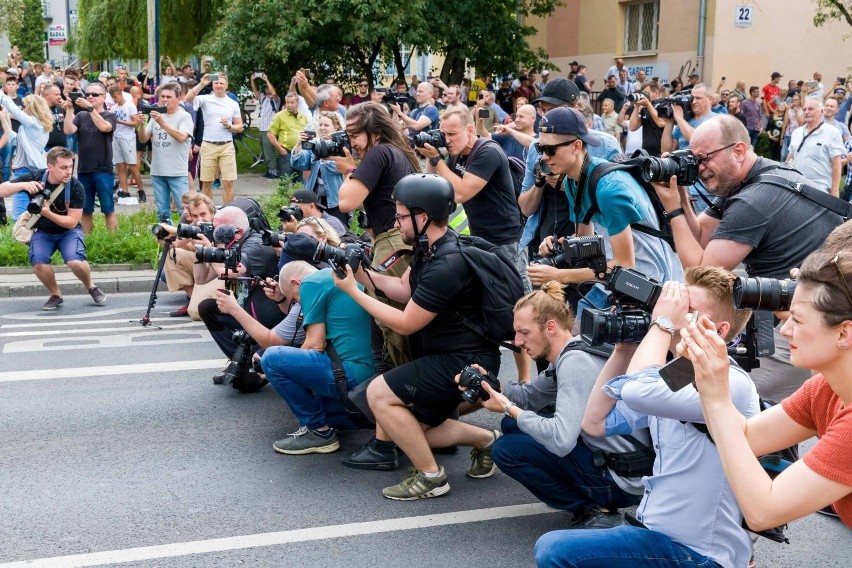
point(53, 95)
point(413, 403)
point(386, 158)
point(643, 115)
point(58, 227)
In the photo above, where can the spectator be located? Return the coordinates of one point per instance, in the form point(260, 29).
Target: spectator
point(734, 108)
point(454, 99)
point(775, 130)
point(506, 95)
point(124, 142)
point(525, 90)
point(716, 104)
point(639, 83)
point(610, 118)
point(583, 84)
point(615, 69)
point(545, 77)
point(830, 107)
point(516, 136)
point(284, 133)
point(612, 92)
point(123, 81)
point(187, 73)
point(52, 95)
point(476, 85)
point(484, 117)
point(269, 103)
point(625, 84)
point(45, 78)
point(795, 118)
point(645, 116)
point(771, 94)
point(363, 95)
point(817, 152)
point(425, 116)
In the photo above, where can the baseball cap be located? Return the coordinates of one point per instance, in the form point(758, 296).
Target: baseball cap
point(566, 120)
point(545, 73)
point(12, 71)
point(305, 196)
point(104, 75)
point(776, 74)
point(559, 91)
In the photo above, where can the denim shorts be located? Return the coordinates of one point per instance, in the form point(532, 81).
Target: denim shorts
point(69, 244)
point(100, 184)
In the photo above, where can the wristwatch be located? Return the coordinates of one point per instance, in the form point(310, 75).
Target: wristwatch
point(507, 408)
point(434, 161)
point(665, 324)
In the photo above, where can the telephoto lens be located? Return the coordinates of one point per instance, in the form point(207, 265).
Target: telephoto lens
point(763, 294)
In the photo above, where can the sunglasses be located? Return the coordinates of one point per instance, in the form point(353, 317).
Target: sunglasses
point(549, 150)
point(842, 277)
point(363, 85)
point(94, 94)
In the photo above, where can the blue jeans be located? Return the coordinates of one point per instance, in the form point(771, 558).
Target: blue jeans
point(102, 185)
point(304, 380)
point(620, 547)
point(6, 154)
point(166, 187)
point(21, 199)
point(285, 169)
point(752, 135)
point(571, 483)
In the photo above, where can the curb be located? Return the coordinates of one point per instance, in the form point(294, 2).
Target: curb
point(110, 285)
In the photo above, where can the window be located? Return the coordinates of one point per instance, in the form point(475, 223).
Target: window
point(640, 27)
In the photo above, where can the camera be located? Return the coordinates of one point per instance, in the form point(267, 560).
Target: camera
point(434, 138)
point(632, 288)
point(272, 238)
point(37, 201)
point(325, 148)
point(240, 373)
point(683, 99)
point(309, 144)
point(74, 95)
point(230, 257)
point(395, 98)
point(352, 254)
point(292, 212)
point(147, 109)
point(579, 252)
point(541, 169)
point(159, 232)
point(483, 113)
point(763, 293)
point(471, 379)
point(682, 163)
point(636, 97)
point(187, 231)
point(598, 327)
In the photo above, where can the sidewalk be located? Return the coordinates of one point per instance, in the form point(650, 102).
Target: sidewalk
point(20, 282)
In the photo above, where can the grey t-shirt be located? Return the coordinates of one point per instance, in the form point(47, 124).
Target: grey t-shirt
point(291, 328)
point(782, 226)
point(170, 157)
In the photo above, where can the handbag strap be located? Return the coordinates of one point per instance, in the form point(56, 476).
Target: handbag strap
point(34, 218)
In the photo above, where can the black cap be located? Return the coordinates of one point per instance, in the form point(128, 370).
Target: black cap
point(300, 246)
point(566, 120)
point(306, 196)
point(559, 91)
point(776, 75)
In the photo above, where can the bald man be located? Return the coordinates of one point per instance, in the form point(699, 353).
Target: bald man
point(516, 136)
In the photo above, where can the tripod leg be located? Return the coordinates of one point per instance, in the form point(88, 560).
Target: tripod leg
point(152, 300)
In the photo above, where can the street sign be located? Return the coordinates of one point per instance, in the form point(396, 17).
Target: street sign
point(743, 16)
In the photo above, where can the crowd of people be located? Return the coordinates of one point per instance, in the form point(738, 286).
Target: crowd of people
point(385, 329)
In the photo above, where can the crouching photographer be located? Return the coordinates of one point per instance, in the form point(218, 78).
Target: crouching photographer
point(240, 264)
point(548, 453)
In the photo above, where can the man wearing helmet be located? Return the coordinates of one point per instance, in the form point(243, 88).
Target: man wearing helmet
point(413, 403)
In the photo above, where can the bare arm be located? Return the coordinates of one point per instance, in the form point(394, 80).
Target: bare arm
point(352, 194)
point(836, 167)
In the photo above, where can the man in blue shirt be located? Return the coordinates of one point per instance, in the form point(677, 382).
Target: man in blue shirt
point(425, 116)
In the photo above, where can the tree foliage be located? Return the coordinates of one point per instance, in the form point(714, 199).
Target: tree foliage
point(30, 34)
point(830, 10)
point(11, 15)
point(118, 29)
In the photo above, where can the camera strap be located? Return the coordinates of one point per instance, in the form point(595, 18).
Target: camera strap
point(340, 384)
point(34, 218)
point(821, 198)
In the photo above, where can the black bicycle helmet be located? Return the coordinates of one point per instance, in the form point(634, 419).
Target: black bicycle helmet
point(430, 193)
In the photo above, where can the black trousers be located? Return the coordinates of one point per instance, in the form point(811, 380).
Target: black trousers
point(221, 326)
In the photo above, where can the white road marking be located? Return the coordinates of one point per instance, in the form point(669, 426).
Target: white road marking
point(104, 371)
point(96, 311)
point(282, 537)
point(152, 330)
point(113, 340)
point(129, 323)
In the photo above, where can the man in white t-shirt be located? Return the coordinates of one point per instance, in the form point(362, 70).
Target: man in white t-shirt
point(124, 142)
point(171, 141)
point(816, 149)
point(221, 121)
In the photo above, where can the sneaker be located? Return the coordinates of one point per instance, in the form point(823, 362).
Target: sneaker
point(181, 312)
point(219, 379)
point(597, 519)
point(52, 303)
point(97, 295)
point(121, 194)
point(417, 486)
point(828, 511)
point(307, 441)
point(481, 463)
point(269, 175)
point(142, 197)
point(374, 456)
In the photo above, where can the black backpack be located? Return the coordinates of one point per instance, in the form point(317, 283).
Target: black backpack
point(632, 165)
point(257, 220)
point(502, 287)
point(517, 167)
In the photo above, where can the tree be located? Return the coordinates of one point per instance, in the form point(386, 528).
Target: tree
point(30, 35)
point(11, 15)
point(829, 10)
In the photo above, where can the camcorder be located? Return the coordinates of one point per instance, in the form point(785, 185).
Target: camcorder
point(434, 138)
point(681, 163)
point(471, 379)
point(145, 108)
point(230, 257)
point(682, 99)
point(326, 148)
point(633, 296)
point(37, 201)
point(763, 294)
point(350, 254)
point(290, 213)
point(187, 231)
point(272, 238)
point(579, 252)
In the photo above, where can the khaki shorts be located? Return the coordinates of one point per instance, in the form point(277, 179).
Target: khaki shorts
point(178, 269)
point(221, 158)
point(123, 151)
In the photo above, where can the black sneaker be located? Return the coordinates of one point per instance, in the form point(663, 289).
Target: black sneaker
point(52, 303)
point(373, 456)
point(597, 519)
point(142, 197)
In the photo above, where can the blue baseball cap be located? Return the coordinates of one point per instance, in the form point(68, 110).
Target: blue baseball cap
point(566, 120)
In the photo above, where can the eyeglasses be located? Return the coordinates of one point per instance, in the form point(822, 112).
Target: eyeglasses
point(363, 85)
point(312, 221)
point(549, 150)
point(842, 277)
point(94, 94)
point(398, 218)
point(706, 157)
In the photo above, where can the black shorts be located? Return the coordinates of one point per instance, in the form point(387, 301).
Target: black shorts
point(428, 385)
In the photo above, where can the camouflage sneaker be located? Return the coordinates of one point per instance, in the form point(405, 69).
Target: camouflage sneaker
point(417, 486)
point(307, 441)
point(481, 463)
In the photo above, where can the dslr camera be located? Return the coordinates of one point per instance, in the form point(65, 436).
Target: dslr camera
point(145, 108)
point(240, 373)
point(351, 254)
point(230, 257)
point(636, 97)
point(682, 163)
point(579, 252)
point(309, 144)
point(763, 294)
point(289, 213)
point(326, 148)
point(37, 201)
point(395, 98)
point(434, 138)
point(471, 379)
point(633, 295)
point(187, 231)
point(682, 99)
point(272, 238)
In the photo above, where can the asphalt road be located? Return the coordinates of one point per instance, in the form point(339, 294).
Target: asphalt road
point(117, 449)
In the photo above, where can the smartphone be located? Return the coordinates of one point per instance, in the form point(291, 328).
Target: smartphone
point(484, 113)
point(723, 78)
point(74, 96)
point(678, 373)
point(258, 74)
point(148, 109)
point(212, 77)
point(307, 73)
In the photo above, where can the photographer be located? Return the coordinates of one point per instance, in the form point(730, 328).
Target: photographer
point(621, 203)
point(549, 454)
point(688, 515)
point(644, 115)
point(58, 228)
point(305, 203)
point(231, 228)
point(745, 225)
point(413, 403)
point(425, 116)
point(171, 141)
point(336, 335)
point(385, 158)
